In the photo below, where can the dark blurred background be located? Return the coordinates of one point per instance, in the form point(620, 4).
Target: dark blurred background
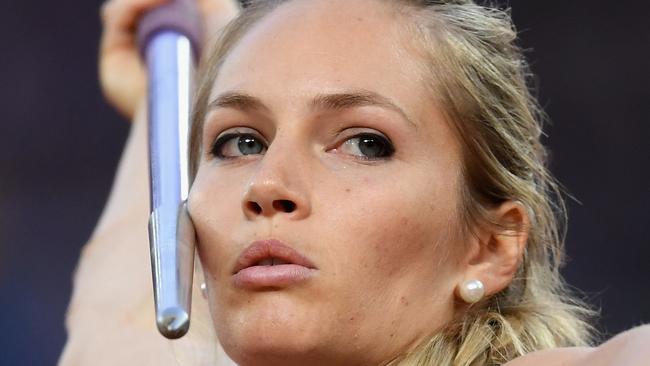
point(60, 144)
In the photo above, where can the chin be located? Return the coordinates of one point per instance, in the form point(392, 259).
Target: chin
point(272, 329)
point(273, 349)
point(253, 346)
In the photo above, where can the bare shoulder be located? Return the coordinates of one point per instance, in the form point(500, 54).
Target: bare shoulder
point(630, 348)
point(554, 357)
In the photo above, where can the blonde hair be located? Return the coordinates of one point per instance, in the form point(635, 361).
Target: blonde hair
point(480, 78)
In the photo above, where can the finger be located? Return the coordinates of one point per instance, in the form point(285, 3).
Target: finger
point(217, 13)
point(120, 18)
point(209, 7)
point(126, 12)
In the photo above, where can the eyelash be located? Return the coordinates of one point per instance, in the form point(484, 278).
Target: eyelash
point(386, 149)
point(222, 140)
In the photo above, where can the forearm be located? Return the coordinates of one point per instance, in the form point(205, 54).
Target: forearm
point(129, 197)
point(111, 316)
point(112, 301)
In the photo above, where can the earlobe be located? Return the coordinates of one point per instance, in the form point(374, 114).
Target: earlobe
point(499, 249)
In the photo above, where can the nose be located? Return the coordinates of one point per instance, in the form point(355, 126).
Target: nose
point(277, 187)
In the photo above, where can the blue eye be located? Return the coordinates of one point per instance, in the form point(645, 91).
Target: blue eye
point(368, 146)
point(232, 145)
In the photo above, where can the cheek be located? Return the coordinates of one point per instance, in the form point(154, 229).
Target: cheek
point(393, 229)
point(213, 205)
point(392, 237)
point(390, 248)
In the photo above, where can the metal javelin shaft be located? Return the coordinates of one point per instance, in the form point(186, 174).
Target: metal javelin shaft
point(169, 40)
point(171, 235)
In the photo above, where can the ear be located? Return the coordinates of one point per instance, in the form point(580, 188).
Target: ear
point(498, 250)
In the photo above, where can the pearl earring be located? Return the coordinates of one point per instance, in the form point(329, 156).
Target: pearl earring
point(204, 290)
point(472, 291)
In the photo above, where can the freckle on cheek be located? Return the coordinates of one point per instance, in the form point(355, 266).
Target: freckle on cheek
point(404, 301)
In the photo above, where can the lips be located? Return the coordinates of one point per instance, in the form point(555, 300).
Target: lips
point(271, 264)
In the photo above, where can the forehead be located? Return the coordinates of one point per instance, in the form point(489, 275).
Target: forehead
point(304, 48)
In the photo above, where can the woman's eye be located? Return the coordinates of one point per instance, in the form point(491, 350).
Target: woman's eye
point(238, 144)
point(368, 146)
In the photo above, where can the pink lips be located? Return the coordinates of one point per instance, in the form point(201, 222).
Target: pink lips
point(270, 264)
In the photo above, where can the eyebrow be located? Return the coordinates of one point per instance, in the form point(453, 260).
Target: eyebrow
point(335, 101)
point(238, 100)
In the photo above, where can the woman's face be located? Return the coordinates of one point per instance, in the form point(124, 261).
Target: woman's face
point(326, 199)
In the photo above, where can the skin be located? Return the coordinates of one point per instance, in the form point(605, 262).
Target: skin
point(629, 348)
point(110, 319)
point(360, 221)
